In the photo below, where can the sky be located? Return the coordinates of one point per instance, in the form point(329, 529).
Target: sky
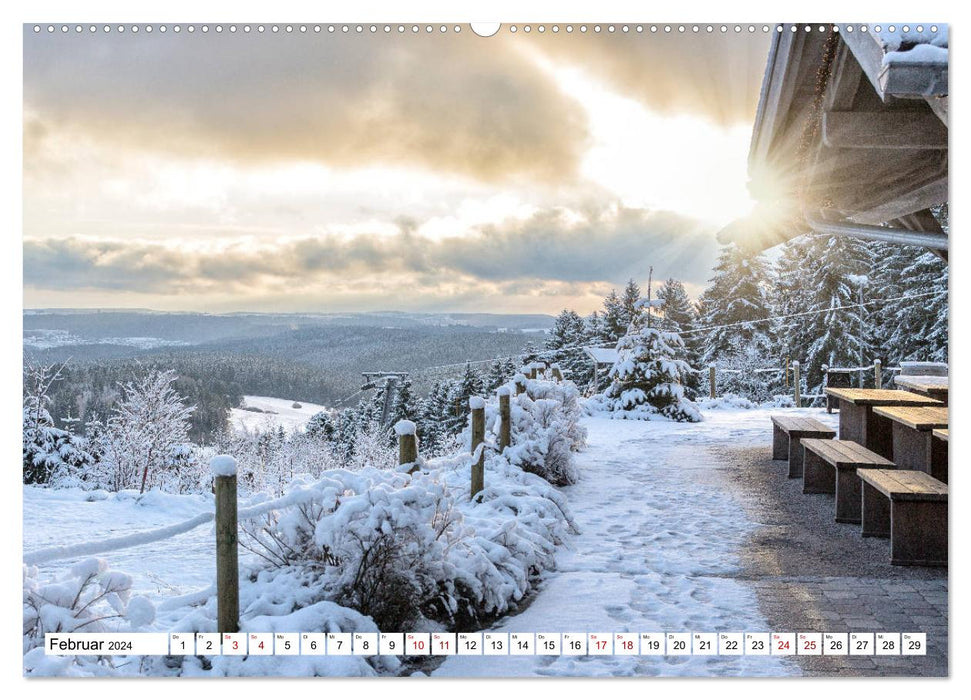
point(321, 172)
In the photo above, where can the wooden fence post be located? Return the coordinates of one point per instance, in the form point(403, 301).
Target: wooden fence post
point(505, 416)
point(477, 404)
point(795, 384)
point(877, 374)
point(711, 381)
point(407, 444)
point(520, 382)
point(223, 469)
point(532, 371)
point(557, 374)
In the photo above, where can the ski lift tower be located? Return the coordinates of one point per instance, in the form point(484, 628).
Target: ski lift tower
point(389, 384)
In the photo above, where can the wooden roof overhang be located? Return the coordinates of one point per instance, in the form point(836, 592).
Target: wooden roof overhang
point(842, 134)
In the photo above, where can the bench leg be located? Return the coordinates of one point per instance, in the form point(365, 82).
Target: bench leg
point(795, 456)
point(817, 475)
point(848, 496)
point(875, 512)
point(918, 533)
point(780, 443)
point(939, 459)
point(911, 448)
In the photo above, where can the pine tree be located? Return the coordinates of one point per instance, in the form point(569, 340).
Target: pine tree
point(790, 295)
point(921, 331)
point(629, 304)
point(614, 319)
point(434, 418)
point(596, 331)
point(837, 277)
point(529, 353)
point(498, 374)
point(565, 343)
point(50, 454)
point(649, 375)
point(736, 294)
point(680, 317)
point(403, 407)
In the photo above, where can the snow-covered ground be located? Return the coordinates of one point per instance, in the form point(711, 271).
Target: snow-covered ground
point(275, 412)
point(658, 549)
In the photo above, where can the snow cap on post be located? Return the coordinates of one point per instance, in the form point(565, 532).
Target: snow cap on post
point(222, 465)
point(519, 378)
point(504, 391)
point(476, 402)
point(405, 427)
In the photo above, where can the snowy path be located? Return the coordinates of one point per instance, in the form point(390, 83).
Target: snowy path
point(657, 552)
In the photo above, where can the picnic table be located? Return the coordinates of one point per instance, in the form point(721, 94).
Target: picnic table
point(932, 387)
point(859, 422)
point(914, 446)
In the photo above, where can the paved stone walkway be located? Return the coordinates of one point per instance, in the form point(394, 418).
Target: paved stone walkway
point(813, 574)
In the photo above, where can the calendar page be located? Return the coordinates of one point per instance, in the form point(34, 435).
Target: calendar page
point(485, 350)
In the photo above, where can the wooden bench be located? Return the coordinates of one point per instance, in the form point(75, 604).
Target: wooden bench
point(829, 466)
point(910, 507)
point(787, 431)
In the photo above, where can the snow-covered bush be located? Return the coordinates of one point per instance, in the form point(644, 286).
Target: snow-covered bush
point(546, 429)
point(405, 548)
point(379, 545)
point(727, 402)
point(149, 423)
point(741, 370)
point(90, 597)
point(648, 380)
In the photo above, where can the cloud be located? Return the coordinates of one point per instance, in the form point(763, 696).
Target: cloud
point(716, 76)
point(448, 102)
point(553, 247)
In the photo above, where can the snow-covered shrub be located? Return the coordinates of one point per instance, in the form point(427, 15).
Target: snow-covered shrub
point(404, 548)
point(546, 429)
point(648, 381)
point(379, 544)
point(149, 423)
point(741, 370)
point(730, 402)
point(90, 597)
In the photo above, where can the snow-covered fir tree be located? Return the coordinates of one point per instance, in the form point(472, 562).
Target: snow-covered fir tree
point(621, 311)
point(404, 406)
point(922, 321)
point(50, 454)
point(679, 316)
point(435, 416)
point(648, 378)
point(735, 295)
point(837, 280)
point(565, 344)
point(597, 333)
point(790, 295)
